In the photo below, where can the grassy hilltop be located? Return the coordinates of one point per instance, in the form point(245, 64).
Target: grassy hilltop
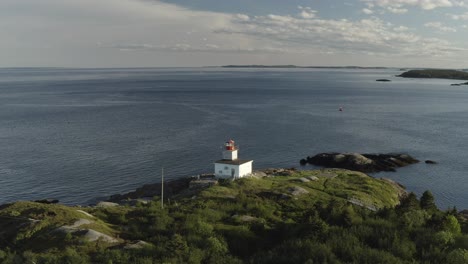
point(320, 216)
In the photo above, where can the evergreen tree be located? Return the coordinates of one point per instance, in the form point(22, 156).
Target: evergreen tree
point(427, 201)
point(409, 203)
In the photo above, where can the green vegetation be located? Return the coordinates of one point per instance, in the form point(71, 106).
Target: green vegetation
point(433, 73)
point(323, 216)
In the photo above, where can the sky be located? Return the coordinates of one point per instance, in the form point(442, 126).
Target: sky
point(191, 33)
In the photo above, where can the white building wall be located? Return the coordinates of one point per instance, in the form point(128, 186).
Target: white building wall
point(230, 154)
point(245, 169)
point(225, 170)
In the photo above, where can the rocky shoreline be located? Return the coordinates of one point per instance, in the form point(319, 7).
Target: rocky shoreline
point(191, 186)
point(367, 163)
point(188, 186)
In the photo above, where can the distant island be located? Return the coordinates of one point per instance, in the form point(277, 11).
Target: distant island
point(300, 67)
point(436, 73)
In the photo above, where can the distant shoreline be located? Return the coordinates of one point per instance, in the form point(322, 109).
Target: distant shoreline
point(302, 67)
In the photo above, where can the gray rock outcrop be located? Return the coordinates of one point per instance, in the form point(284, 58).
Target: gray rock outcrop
point(296, 191)
point(362, 162)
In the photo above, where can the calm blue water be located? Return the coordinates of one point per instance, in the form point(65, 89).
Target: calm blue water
point(77, 134)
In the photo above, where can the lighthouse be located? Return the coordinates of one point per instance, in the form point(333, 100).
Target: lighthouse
point(231, 167)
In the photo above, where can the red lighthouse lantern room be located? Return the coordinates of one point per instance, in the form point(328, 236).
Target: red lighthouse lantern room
point(230, 145)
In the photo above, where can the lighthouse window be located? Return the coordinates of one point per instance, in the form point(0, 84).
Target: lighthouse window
point(226, 168)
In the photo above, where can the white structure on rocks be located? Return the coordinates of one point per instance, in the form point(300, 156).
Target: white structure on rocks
point(230, 166)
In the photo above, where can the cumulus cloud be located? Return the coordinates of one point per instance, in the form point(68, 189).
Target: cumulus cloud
point(56, 32)
point(460, 3)
point(397, 5)
point(367, 11)
point(306, 12)
point(401, 28)
point(366, 36)
point(440, 27)
point(395, 10)
point(463, 16)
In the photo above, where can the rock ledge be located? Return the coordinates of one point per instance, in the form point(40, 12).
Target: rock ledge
point(361, 162)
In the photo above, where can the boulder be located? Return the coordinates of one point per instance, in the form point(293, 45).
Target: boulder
point(296, 191)
point(85, 213)
point(303, 180)
point(73, 228)
point(362, 162)
point(106, 204)
point(245, 218)
point(47, 201)
point(279, 172)
point(91, 235)
point(313, 178)
point(327, 175)
point(258, 174)
point(136, 245)
point(134, 202)
point(430, 162)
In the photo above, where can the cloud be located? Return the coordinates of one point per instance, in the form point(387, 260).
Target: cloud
point(185, 47)
point(366, 36)
point(243, 17)
point(460, 3)
point(367, 11)
point(395, 10)
point(401, 29)
point(396, 5)
point(134, 32)
point(440, 27)
point(463, 16)
point(307, 12)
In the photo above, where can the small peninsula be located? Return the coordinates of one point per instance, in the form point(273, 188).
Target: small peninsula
point(436, 73)
point(274, 216)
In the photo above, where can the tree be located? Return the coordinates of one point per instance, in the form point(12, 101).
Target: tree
point(427, 201)
point(409, 203)
point(458, 256)
point(415, 218)
point(451, 224)
point(177, 246)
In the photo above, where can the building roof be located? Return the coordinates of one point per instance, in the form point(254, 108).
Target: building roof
point(233, 162)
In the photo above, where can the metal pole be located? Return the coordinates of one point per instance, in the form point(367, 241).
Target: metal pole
point(162, 187)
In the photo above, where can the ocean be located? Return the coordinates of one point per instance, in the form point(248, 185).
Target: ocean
point(79, 134)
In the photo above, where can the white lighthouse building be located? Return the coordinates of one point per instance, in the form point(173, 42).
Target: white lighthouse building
point(230, 166)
